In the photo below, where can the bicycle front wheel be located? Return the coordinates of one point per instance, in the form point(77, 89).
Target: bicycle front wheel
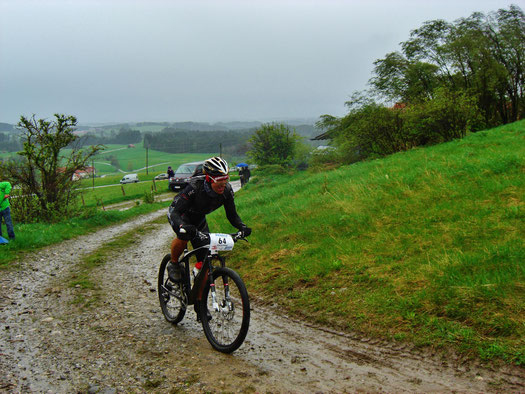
point(171, 295)
point(225, 315)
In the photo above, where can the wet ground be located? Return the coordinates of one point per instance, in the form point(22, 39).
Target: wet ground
point(49, 343)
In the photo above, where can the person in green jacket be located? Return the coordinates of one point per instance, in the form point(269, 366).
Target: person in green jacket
point(5, 210)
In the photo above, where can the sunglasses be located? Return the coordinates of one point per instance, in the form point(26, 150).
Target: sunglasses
point(224, 178)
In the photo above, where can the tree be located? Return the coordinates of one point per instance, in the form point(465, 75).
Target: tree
point(273, 143)
point(44, 170)
point(482, 55)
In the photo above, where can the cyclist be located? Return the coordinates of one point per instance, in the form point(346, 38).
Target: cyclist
point(187, 213)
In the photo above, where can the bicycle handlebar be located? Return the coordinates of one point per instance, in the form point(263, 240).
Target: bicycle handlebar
point(236, 236)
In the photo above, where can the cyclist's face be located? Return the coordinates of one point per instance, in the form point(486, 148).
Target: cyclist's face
point(218, 185)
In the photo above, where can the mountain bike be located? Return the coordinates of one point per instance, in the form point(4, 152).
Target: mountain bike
point(218, 294)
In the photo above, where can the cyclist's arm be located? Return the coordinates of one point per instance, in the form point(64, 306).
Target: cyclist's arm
point(180, 204)
point(231, 211)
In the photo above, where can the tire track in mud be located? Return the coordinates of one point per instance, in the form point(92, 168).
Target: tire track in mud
point(124, 344)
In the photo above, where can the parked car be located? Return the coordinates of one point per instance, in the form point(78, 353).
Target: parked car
point(184, 174)
point(129, 178)
point(161, 176)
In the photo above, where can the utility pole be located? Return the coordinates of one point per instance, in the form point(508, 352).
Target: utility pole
point(146, 160)
point(93, 166)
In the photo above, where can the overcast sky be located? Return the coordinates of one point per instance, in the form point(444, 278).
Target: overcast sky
point(198, 60)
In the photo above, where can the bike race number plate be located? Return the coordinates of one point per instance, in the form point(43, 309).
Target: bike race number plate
point(220, 242)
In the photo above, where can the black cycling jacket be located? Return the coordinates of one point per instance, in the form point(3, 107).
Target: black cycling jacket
point(197, 200)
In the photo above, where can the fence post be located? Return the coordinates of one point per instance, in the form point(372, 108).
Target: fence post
point(123, 192)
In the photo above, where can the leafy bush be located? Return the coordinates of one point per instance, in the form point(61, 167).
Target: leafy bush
point(449, 115)
point(149, 197)
point(24, 206)
point(273, 143)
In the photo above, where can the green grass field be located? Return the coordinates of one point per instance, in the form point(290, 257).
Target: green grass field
point(425, 246)
point(133, 160)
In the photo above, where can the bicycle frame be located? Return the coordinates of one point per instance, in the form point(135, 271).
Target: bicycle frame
point(194, 293)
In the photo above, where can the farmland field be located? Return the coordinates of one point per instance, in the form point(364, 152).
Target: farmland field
point(134, 159)
point(119, 159)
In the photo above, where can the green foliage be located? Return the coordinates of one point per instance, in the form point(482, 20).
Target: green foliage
point(24, 206)
point(447, 116)
point(149, 197)
point(451, 78)
point(273, 143)
point(483, 55)
point(44, 171)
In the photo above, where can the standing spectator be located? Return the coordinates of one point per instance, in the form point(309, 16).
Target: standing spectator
point(241, 176)
point(247, 174)
point(5, 210)
point(244, 174)
point(171, 173)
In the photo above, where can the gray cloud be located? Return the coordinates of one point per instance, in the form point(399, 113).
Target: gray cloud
point(142, 60)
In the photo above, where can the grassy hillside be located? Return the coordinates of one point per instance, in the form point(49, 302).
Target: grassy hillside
point(425, 246)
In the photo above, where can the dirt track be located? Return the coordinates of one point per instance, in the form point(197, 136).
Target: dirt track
point(49, 344)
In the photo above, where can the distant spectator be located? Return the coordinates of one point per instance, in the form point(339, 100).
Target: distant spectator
point(5, 210)
point(171, 173)
point(244, 174)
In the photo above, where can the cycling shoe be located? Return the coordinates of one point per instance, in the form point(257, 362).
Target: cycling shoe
point(173, 272)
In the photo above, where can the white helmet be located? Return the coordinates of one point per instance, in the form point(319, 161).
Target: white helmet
point(216, 166)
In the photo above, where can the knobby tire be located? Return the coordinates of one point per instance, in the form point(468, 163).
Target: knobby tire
point(172, 308)
point(227, 328)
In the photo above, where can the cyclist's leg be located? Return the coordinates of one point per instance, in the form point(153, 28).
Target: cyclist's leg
point(201, 254)
point(177, 247)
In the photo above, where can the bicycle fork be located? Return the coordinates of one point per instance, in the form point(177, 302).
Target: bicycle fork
point(226, 305)
point(209, 276)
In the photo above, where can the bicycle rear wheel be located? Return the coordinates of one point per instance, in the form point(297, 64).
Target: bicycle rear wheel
point(171, 295)
point(227, 324)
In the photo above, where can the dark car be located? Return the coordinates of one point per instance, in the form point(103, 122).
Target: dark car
point(184, 174)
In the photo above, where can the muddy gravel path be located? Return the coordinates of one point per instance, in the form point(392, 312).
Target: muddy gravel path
point(50, 344)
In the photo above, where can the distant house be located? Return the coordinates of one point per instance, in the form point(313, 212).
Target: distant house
point(82, 174)
point(131, 146)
